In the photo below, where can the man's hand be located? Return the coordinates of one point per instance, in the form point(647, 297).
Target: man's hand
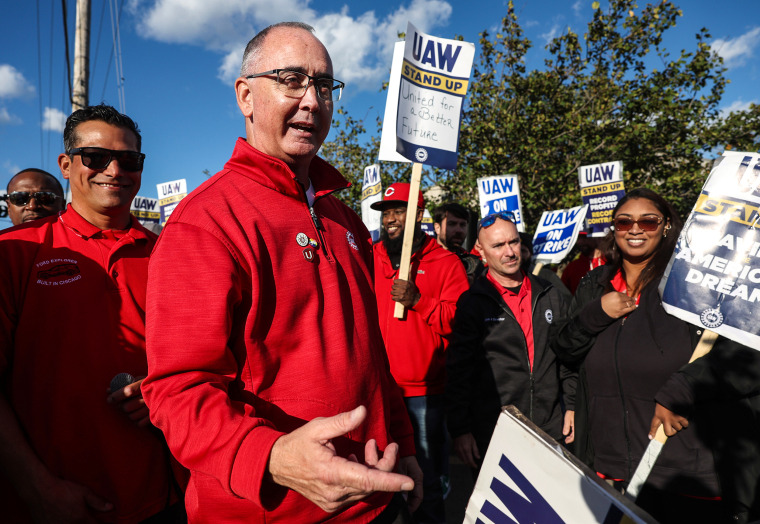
point(129, 399)
point(408, 466)
point(467, 449)
point(568, 429)
point(63, 501)
point(671, 422)
point(617, 304)
point(305, 461)
point(406, 292)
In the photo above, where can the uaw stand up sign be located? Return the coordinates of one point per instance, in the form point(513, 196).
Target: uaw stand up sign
point(713, 278)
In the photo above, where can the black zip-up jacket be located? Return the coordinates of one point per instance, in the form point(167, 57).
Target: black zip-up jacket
point(623, 364)
point(487, 363)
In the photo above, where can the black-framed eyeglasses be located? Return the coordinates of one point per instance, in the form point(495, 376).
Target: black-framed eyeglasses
point(98, 158)
point(294, 84)
point(489, 220)
point(22, 198)
point(645, 223)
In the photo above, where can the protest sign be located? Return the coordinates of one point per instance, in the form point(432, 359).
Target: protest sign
point(434, 79)
point(556, 234)
point(145, 210)
point(427, 224)
point(169, 195)
point(4, 209)
point(527, 477)
point(713, 277)
point(388, 136)
point(601, 188)
point(372, 191)
point(501, 193)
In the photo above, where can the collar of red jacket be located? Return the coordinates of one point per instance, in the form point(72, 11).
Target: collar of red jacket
point(275, 174)
point(430, 249)
point(74, 221)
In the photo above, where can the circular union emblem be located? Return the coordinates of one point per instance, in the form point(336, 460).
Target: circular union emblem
point(711, 317)
point(302, 239)
point(421, 155)
point(549, 316)
point(351, 241)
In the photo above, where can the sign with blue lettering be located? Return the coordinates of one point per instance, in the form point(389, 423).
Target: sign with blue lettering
point(501, 193)
point(556, 234)
point(427, 226)
point(169, 195)
point(146, 210)
point(601, 188)
point(372, 191)
point(713, 277)
point(528, 478)
point(435, 75)
point(4, 211)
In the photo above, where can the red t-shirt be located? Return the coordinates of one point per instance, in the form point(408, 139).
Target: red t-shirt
point(521, 307)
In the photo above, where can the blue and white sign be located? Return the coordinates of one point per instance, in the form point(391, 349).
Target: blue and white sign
point(146, 210)
point(435, 76)
point(501, 193)
point(557, 233)
point(713, 278)
point(169, 195)
point(4, 220)
point(427, 226)
point(601, 188)
point(528, 478)
point(372, 191)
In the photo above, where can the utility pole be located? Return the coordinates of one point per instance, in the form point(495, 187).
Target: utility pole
point(80, 95)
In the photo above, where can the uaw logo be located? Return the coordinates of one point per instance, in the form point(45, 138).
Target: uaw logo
point(57, 272)
point(420, 155)
point(351, 241)
point(711, 318)
point(549, 316)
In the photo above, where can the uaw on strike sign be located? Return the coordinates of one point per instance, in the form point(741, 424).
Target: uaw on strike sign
point(434, 78)
point(713, 278)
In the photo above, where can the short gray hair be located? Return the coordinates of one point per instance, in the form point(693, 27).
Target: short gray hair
point(253, 49)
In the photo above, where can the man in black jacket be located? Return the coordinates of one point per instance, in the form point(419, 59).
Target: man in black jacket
point(499, 354)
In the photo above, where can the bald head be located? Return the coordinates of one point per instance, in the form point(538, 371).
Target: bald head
point(27, 183)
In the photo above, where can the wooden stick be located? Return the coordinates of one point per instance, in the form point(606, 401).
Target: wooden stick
point(706, 343)
point(411, 220)
point(537, 268)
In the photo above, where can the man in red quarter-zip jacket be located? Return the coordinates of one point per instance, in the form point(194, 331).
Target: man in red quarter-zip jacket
point(416, 344)
point(266, 370)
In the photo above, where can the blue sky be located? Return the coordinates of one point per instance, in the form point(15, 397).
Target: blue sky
point(179, 60)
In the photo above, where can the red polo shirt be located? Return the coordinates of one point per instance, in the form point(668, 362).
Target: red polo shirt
point(521, 308)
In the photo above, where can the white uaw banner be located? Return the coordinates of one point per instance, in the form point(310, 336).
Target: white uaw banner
point(501, 194)
point(434, 78)
point(557, 233)
point(169, 195)
point(528, 478)
point(713, 278)
point(601, 188)
point(146, 210)
point(372, 191)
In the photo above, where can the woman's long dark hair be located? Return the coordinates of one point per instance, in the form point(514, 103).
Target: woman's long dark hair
point(659, 261)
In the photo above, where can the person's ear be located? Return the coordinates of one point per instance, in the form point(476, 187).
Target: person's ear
point(244, 96)
point(64, 164)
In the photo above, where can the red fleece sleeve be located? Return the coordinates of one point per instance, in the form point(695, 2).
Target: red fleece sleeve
point(439, 311)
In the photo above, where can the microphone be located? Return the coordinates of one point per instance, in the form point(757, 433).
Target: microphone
point(121, 380)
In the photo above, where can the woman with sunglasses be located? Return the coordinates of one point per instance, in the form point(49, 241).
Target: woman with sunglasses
point(627, 347)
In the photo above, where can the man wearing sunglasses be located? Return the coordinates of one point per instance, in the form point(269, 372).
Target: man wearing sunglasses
point(71, 319)
point(499, 352)
point(32, 194)
point(268, 374)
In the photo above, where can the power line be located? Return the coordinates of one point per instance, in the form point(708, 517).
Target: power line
point(97, 44)
point(115, 21)
point(39, 84)
point(68, 58)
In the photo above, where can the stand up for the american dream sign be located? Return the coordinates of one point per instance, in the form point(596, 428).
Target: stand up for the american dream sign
point(713, 278)
point(434, 79)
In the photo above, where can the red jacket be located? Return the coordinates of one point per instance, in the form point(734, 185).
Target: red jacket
point(72, 316)
point(252, 332)
point(417, 343)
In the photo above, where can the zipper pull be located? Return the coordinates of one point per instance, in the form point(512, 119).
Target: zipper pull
point(315, 219)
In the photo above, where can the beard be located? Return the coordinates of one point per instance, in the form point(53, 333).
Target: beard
point(392, 245)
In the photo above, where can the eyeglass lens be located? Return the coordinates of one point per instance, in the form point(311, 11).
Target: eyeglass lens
point(99, 158)
point(22, 198)
point(645, 224)
point(295, 84)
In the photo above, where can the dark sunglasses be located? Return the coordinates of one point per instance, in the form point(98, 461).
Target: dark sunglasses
point(97, 158)
point(645, 223)
point(488, 221)
point(22, 198)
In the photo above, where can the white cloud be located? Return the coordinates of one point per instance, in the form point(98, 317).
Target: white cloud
point(737, 105)
point(578, 7)
point(8, 119)
point(551, 34)
point(737, 50)
point(53, 119)
point(361, 46)
point(11, 168)
point(12, 83)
